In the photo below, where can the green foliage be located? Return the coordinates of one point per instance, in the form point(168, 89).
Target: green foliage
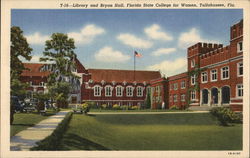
point(174, 107)
point(148, 101)
point(104, 106)
point(225, 115)
point(124, 107)
point(60, 51)
point(135, 107)
point(116, 107)
point(52, 142)
point(19, 48)
point(92, 104)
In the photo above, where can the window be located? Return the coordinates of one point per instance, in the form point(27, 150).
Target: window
point(119, 91)
point(183, 97)
point(97, 91)
point(129, 91)
point(193, 95)
point(240, 69)
point(204, 77)
point(41, 84)
point(175, 98)
point(175, 86)
point(193, 79)
point(139, 92)
point(239, 90)
point(239, 47)
point(214, 75)
point(108, 91)
point(225, 73)
point(192, 63)
point(183, 84)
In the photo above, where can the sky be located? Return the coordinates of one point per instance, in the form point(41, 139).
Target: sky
point(107, 39)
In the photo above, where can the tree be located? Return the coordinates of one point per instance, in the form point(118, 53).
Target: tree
point(60, 51)
point(19, 48)
point(148, 101)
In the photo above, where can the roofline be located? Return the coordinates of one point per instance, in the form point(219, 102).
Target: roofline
point(125, 70)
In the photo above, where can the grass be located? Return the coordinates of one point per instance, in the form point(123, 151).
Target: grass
point(139, 110)
point(188, 131)
point(24, 120)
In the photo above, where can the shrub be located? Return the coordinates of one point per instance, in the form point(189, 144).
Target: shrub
point(134, 107)
point(116, 107)
point(52, 142)
point(225, 115)
point(104, 106)
point(86, 107)
point(124, 107)
point(174, 107)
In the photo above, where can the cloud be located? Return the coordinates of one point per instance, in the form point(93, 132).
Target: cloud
point(87, 34)
point(155, 32)
point(163, 51)
point(37, 38)
point(169, 68)
point(133, 41)
point(191, 37)
point(107, 54)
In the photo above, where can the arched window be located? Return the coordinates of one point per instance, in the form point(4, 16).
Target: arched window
point(214, 96)
point(204, 96)
point(139, 91)
point(119, 91)
point(129, 91)
point(97, 91)
point(108, 91)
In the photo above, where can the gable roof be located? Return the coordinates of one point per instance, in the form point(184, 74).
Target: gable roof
point(109, 75)
point(34, 70)
point(178, 76)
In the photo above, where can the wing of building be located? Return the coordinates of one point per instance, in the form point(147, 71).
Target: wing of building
point(214, 77)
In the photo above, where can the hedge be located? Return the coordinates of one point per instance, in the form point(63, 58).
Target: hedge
point(52, 142)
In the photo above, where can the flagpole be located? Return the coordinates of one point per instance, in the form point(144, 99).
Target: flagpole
point(134, 65)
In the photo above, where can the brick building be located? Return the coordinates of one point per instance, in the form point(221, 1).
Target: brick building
point(214, 76)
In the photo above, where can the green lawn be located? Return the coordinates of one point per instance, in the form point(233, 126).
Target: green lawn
point(139, 110)
point(188, 131)
point(25, 120)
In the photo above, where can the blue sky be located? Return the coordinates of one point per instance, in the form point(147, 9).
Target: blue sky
point(108, 38)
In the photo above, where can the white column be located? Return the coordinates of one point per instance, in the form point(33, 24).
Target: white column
point(201, 97)
point(219, 96)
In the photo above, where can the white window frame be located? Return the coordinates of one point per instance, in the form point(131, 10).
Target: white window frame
point(128, 92)
point(183, 98)
point(216, 73)
point(222, 71)
point(120, 90)
point(238, 47)
point(108, 93)
point(97, 91)
point(203, 77)
point(183, 84)
point(193, 95)
point(238, 69)
point(175, 98)
point(193, 77)
point(239, 87)
point(192, 63)
point(175, 86)
point(139, 91)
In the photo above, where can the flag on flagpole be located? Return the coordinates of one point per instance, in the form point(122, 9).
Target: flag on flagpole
point(138, 54)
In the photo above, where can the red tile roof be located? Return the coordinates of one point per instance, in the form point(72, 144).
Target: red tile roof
point(178, 76)
point(34, 70)
point(109, 75)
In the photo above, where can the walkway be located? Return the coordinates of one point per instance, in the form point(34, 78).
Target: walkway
point(28, 138)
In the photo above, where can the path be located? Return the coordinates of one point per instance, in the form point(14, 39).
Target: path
point(165, 112)
point(26, 139)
